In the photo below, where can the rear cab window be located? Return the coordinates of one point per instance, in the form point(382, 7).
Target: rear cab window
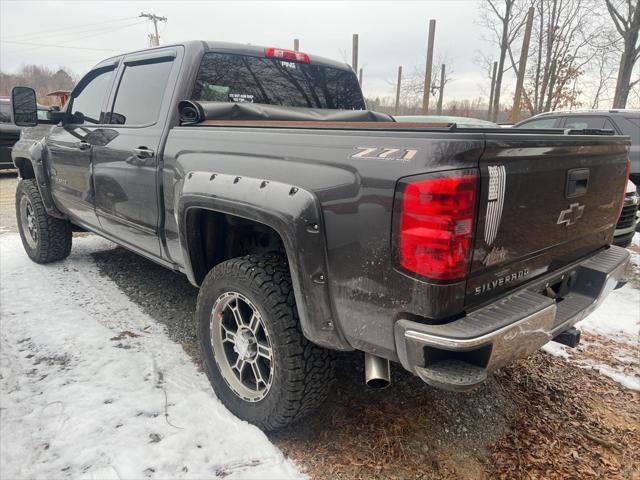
point(590, 122)
point(225, 77)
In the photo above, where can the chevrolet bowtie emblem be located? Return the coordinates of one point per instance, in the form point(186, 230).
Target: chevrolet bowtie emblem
point(571, 214)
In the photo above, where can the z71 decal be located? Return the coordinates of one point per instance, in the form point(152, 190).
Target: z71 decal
point(385, 153)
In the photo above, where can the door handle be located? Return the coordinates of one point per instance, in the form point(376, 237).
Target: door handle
point(143, 152)
point(82, 145)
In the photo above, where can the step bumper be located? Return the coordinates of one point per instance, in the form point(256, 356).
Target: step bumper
point(459, 355)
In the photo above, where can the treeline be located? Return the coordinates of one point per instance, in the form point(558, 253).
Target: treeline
point(42, 79)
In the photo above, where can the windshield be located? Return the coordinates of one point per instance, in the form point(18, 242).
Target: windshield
point(242, 78)
point(5, 112)
point(43, 114)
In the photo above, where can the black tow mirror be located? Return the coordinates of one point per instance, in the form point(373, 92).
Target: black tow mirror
point(24, 107)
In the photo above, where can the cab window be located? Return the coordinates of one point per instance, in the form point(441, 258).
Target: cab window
point(140, 93)
point(89, 97)
point(582, 123)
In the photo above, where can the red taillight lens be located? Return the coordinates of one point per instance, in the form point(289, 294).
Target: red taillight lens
point(284, 54)
point(436, 224)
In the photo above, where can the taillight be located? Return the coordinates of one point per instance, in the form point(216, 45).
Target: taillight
point(435, 226)
point(284, 54)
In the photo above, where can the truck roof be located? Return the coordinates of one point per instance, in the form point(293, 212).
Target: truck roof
point(236, 48)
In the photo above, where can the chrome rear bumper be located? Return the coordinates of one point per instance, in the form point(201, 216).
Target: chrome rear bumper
point(460, 354)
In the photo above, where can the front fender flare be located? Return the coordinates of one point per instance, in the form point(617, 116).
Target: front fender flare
point(35, 152)
point(294, 214)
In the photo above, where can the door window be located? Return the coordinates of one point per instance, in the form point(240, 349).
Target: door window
point(140, 93)
point(581, 123)
point(89, 97)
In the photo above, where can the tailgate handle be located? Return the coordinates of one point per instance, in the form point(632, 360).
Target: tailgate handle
point(577, 182)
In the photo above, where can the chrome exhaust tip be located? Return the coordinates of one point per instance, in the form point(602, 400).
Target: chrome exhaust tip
point(376, 371)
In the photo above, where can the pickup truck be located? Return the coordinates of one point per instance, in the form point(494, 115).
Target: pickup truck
point(312, 225)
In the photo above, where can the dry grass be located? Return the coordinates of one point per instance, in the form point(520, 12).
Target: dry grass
point(541, 418)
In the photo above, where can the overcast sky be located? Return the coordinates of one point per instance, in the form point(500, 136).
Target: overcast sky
point(391, 33)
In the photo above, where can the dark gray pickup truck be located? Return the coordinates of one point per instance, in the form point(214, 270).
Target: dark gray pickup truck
point(312, 225)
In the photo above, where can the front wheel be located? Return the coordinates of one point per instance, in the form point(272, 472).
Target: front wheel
point(260, 365)
point(45, 238)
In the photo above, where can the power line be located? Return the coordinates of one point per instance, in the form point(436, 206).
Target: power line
point(75, 39)
point(48, 33)
point(61, 46)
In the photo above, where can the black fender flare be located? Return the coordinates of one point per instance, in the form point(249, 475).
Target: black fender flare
point(36, 154)
point(294, 214)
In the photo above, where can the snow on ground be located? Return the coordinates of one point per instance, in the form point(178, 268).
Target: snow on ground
point(616, 328)
point(82, 399)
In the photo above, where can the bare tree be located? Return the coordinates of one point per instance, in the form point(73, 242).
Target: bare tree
point(561, 46)
point(42, 79)
point(626, 18)
point(412, 88)
point(505, 19)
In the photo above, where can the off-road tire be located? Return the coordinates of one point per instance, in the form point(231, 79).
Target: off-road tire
point(303, 372)
point(53, 234)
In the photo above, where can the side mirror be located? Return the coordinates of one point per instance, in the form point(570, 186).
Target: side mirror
point(24, 107)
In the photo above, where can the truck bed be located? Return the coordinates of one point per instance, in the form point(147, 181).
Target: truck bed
point(352, 178)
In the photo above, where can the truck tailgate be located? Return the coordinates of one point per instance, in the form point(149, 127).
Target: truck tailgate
point(545, 201)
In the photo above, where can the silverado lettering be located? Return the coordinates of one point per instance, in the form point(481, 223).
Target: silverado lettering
point(501, 281)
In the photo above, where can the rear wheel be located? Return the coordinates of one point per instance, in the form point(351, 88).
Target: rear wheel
point(45, 238)
point(257, 359)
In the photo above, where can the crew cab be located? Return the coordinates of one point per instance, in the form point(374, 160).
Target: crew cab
point(312, 225)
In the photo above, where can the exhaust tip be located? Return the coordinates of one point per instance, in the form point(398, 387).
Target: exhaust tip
point(378, 383)
point(376, 371)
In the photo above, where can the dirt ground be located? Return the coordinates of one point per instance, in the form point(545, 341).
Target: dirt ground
point(543, 417)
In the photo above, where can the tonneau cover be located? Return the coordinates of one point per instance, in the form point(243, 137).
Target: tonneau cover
point(192, 112)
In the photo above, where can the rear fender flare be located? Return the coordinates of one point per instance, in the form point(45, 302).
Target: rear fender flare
point(294, 214)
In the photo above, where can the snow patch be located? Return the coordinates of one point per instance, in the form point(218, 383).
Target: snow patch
point(556, 349)
point(79, 400)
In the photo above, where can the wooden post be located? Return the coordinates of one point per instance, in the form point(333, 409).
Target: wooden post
point(354, 53)
point(493, 88)
point(427, 73)
point(522, 66)
point(296, 44)
point(441, 92)
point(397, 109)
point(360, 78)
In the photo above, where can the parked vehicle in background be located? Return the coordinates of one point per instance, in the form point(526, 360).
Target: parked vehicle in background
point(629, 221)
point(10, 133)
point(622, 122)
point(311, 224)
point(462, 122)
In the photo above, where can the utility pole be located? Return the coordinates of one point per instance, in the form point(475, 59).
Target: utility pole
point(296, 44)
point(522, 66)
point(427, 73)
point(360, 77)
point(441, 92)
point(493, 88)
point(154, 40)
point(354, 53)
point(397, 110)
